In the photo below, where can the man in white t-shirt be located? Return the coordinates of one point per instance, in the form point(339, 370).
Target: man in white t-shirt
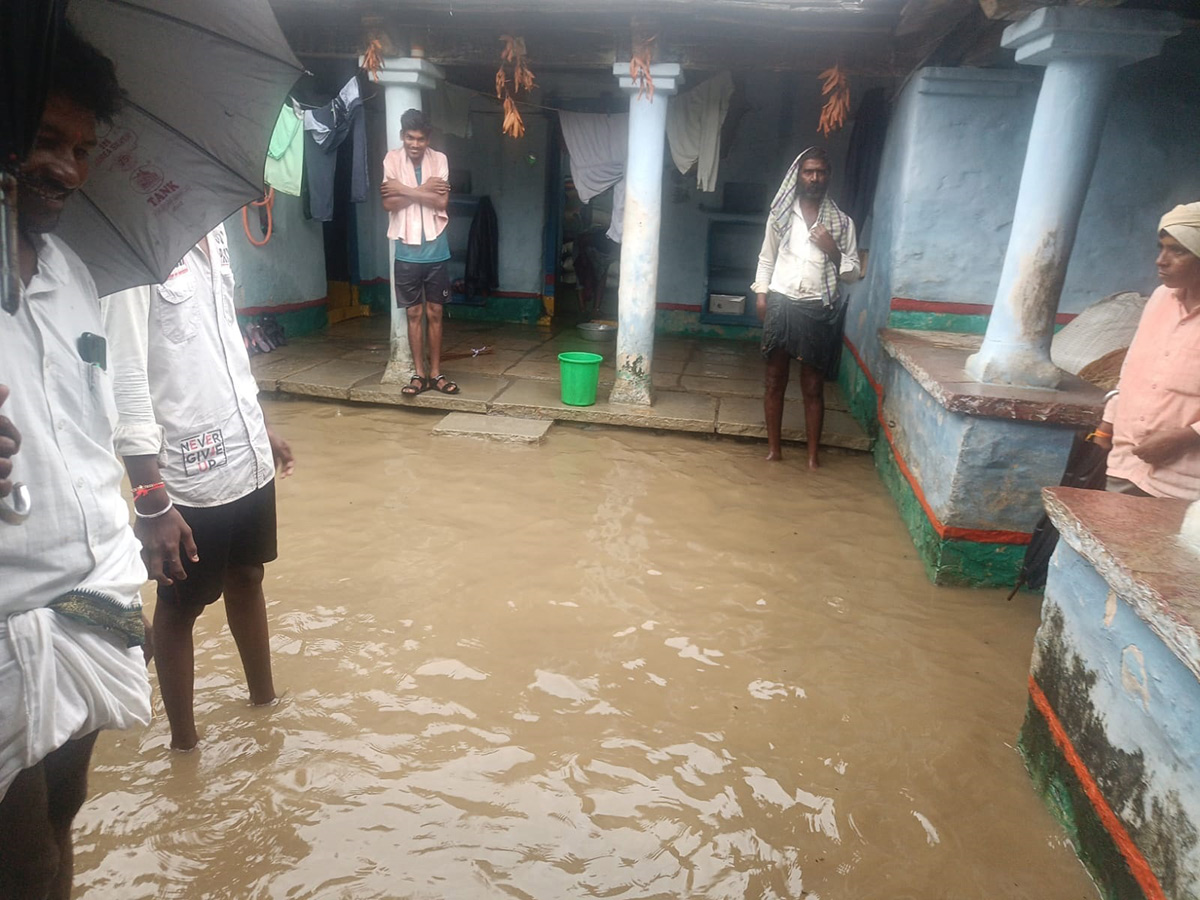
point(70, 612)
point(201, 459)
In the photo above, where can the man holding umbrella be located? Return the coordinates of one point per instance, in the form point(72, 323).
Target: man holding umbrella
point(70, 613)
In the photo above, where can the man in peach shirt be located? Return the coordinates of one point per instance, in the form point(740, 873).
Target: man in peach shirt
point(1154, 422)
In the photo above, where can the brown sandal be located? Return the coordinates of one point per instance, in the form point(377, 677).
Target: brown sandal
point(443, 384)
point(416, 385)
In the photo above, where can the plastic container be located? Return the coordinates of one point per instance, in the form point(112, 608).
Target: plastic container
point(580, 375)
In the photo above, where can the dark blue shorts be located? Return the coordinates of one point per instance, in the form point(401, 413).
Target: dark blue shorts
point(421, 282)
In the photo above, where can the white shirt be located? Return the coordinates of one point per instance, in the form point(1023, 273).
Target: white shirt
point(182, 380)
point(77, 535)
point(796, 270)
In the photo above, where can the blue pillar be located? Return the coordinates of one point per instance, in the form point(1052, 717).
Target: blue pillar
point(403, 79)
point(1081, 49)
point(638, 293)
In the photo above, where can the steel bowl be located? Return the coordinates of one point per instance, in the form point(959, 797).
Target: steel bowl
point(595, 331)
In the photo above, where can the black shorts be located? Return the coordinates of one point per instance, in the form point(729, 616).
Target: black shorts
point(241, 533)
point(417, 282)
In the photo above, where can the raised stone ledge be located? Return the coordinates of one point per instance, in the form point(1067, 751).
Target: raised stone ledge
point(937, 360)
point(1133, 542)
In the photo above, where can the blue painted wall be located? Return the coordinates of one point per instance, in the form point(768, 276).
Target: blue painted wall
point(289, 269)
point(952, 167)
point(1147, 702)
point(975, 472)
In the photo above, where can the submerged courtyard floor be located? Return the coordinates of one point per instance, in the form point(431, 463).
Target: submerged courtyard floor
point(705, 386)
point(617, 664)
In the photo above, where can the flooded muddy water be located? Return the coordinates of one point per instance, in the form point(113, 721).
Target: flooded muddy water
point(619, 664)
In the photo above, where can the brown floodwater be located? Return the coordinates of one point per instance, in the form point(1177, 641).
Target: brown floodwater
point(619, 665)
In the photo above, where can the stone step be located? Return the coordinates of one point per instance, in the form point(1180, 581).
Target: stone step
point(497, 428)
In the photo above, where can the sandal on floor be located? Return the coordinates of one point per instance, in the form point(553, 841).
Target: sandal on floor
point(416, 385)
point(443, 384)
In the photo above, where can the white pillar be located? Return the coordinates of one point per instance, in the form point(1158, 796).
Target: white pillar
point(403, 79)
point(638, 293)
point(1081, 50)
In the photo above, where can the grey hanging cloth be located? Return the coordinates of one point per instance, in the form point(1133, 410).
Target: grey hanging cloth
point(325, 128)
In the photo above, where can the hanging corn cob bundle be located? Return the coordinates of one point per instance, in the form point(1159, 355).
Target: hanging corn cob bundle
point(835, 88)
point(508, 87)
point(373, 59)
point(639, 67)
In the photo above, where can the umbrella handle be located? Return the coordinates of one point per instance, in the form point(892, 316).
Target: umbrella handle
point(10, 272)
point(16, 510)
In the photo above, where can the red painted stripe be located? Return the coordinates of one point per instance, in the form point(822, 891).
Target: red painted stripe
point(943, 530)
point(1139, 868)
point(686, 307)
point(904, 304)
point(283, 308)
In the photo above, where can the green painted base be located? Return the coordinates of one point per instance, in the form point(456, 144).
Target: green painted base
point(522, 310)
point(297, 322)
point(947, 561)
point(1058, 785)
point(929, 321)
point(684, 323)
point(376, 295)
point(858, 394)
point(933, 321)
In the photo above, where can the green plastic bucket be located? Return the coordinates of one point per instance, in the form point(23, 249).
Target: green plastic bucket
point(580, 373)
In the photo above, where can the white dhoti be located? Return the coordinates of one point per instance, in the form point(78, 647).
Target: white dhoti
point(61, 680)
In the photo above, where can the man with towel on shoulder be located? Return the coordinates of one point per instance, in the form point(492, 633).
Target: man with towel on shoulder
point(810, 249)
point(1153, 424)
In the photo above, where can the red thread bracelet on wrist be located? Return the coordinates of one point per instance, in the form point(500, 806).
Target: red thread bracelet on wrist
point(143, 490)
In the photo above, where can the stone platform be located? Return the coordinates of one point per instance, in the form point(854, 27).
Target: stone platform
point(1112, 732)
point(701, 385)
point(966, 462)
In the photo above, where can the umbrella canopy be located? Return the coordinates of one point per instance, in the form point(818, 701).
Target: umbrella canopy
point(204, 81)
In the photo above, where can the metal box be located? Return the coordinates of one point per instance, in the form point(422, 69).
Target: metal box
point(727, 304)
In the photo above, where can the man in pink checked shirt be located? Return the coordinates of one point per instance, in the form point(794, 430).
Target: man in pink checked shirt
point(1153, 424)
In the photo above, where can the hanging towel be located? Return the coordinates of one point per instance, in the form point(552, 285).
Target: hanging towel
point(325, 129)
point(450, 109)
point(416, 223)
point(284, 167)
point(598, 146)
point(694, 121)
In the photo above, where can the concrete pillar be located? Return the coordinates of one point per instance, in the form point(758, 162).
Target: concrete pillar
point(403, 79)
point(638, 292)
point(1082, 49)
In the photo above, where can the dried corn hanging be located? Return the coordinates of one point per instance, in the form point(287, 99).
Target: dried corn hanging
point(373, 59)
point(835, 87)
point(639, 67)
point(508, 86)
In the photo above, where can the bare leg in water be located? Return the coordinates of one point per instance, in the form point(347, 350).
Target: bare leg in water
point(812, 386)
point(246, 610)
point(175, 657)
point(37, 856)
point(778, 370)
point(175, 660)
